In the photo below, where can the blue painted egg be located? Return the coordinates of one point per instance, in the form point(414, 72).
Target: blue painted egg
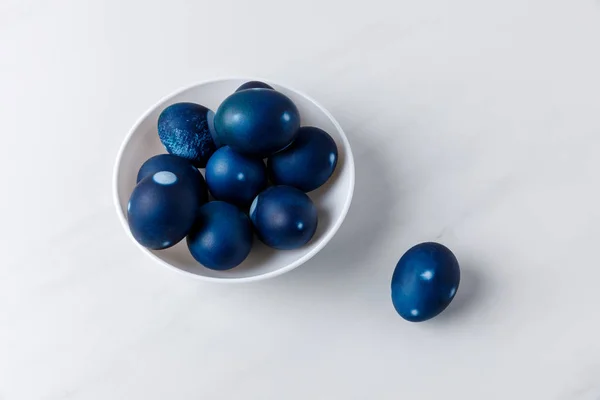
point(254, 85)
point(161, 210)
point(235, 178)
point(221, 237)
point(257, 122)
point(179, 166)
point(186, 130)
point(307, 163)
point(424, 281)
point(284, 217)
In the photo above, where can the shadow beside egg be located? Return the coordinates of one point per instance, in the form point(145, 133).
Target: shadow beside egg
point(260, 254)
point(323, 224)
point(179, 256)
point(471, 292)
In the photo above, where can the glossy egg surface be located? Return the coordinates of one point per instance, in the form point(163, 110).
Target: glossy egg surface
point(161, 210)
point(181, 167)
point(235, 178)
point(221, 237)
point(257, 122)
point(307, 163)
point(425, 281)
point(186, 130)
point(284, 217)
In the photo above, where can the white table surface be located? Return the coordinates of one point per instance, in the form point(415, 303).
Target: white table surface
point(473, 123)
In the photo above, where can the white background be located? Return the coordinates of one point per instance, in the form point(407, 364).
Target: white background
point(473, 123)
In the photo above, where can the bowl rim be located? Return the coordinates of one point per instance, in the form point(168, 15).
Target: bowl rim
point(293, 265)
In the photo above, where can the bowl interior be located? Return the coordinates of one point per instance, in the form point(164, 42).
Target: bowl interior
point(332, 199)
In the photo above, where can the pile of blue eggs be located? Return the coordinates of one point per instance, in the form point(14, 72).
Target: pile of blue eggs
point(259, 163)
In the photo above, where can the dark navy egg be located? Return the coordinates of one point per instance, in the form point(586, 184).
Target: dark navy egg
point(254, 85)
point(161, 210)
point(284, 217)
point(424, 281)
point(221, 237)
point(235, 178)
point(307, 163)
point(179, 166)
point(257, 122)
point(186, 130)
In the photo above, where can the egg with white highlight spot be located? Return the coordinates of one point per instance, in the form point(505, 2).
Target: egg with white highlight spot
point(284, 217)
point(161, 210)
point(179, 166)
point(307, 163)
point(257, 122)
point(235, 178)
point(425, 281)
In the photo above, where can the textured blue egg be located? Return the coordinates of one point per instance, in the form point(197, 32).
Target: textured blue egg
point(424, 281)
point(161, 210)
point(254, 85)
point(284, 217)
point(181, 167)
point(307, 163)
point(257, 122)
point(186, 130)
point(221, 237)
point(235, 178)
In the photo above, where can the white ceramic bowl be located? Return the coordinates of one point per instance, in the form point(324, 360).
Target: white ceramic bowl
point(332, 199)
